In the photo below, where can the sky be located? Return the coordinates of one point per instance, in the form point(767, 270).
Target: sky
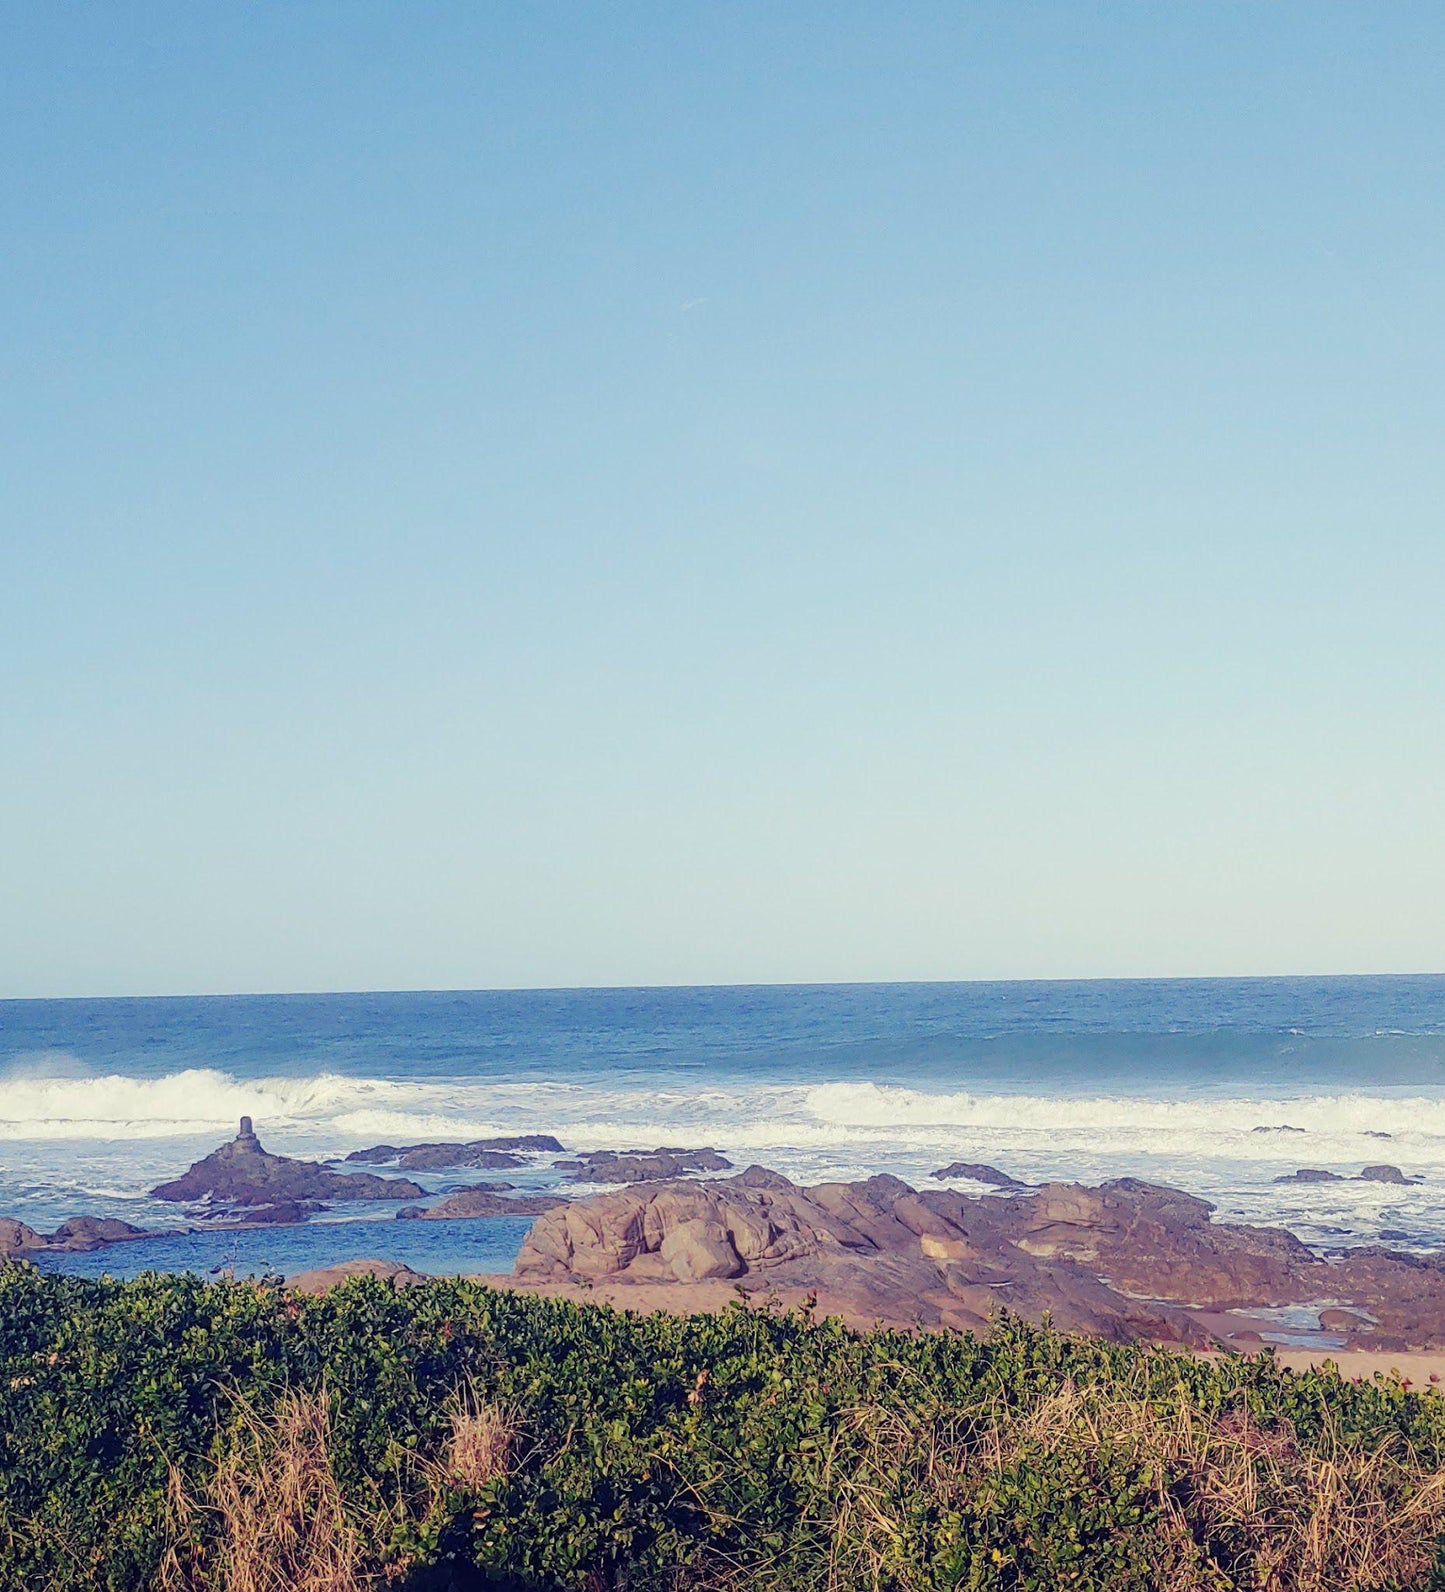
point(542, 494)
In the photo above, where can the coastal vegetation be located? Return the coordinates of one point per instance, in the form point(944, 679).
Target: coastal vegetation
point(185, 1436)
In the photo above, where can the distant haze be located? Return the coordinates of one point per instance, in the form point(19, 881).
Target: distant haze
point(533, 495)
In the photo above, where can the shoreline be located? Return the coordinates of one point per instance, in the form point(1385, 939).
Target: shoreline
point(1413, 1367)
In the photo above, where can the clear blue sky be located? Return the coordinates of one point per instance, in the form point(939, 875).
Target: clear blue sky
point(569, 494)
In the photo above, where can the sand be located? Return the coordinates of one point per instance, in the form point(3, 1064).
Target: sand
point(1415, 1368)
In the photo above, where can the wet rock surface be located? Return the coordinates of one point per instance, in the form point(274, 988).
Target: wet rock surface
point(1371, 1174)
point(1127, 1259)
point(980, 1172)
point(243, 1175)
point(78, 1234)
point(483, 1153)
point(284, 1213)
point(643, 1166)
point(481, 1201)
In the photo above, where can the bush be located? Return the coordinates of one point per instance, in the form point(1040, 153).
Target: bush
point(177, 1435)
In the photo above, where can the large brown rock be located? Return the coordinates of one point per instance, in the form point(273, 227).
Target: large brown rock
point(1162, 1244)
point(875, 1250)
point(696, 1249)
point(18, 1239)
point(241, 1173)
point(77, 1234)
point(324, 1277)
point(1127, 1259)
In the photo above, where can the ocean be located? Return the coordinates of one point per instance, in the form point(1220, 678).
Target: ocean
point(1216, 1086)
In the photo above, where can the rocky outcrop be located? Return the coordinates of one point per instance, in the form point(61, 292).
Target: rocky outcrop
point(1127, 1259)
point(978, 1172)
point(242, 1174)
point(324, 1277)
point(467, 1203)
point(284, 1213)
point(78, 1234)
point(643, 1166)
point(875, 1250)
point(1371, 1174)
point(482, 1153)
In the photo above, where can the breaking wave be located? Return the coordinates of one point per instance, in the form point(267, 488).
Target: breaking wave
point(201, 1101)
point(880, 1106)
point(198, 1100)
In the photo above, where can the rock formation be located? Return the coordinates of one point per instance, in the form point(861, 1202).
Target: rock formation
point(979, 1172)
point(483, 1153)
point(643, 1166)
point(466, 1203)
point(242, 1174)
point(318, 1281)
point(1127, 1259)
point(1371, 1174)
point(79, 1233)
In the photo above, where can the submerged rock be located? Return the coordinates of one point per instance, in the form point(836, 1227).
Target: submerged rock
point(979, 1172)
point(1371, 1174)
point(1333, 1320)
point(241, 1173)
point(466, 1203)
point(493, 1153)
point(284, 1213)
point(78, 1234)
point(644, 1166)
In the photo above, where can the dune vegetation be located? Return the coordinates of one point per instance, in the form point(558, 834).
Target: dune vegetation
point(184, 1436)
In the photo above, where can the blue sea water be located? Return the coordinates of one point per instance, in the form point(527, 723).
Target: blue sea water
point(1172, 1080)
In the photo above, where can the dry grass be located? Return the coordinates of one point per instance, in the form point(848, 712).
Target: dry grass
point(1239, 1506)
point(1236, 1498)
point(283, 1525)
point(273, 1519)
point(479, 1447)
point(1234, 1506)
point(278, 1521)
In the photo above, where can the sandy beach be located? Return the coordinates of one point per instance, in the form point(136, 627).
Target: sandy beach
point(1417, 1369)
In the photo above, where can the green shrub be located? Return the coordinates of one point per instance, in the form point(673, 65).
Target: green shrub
point(533, 1443)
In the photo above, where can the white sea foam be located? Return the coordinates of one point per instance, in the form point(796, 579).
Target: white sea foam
point(119, 1135)
point(205, 1100)
point(1344, 1116)
point(198, 1100)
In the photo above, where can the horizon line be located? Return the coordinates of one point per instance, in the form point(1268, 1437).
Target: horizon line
point(744, 984)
